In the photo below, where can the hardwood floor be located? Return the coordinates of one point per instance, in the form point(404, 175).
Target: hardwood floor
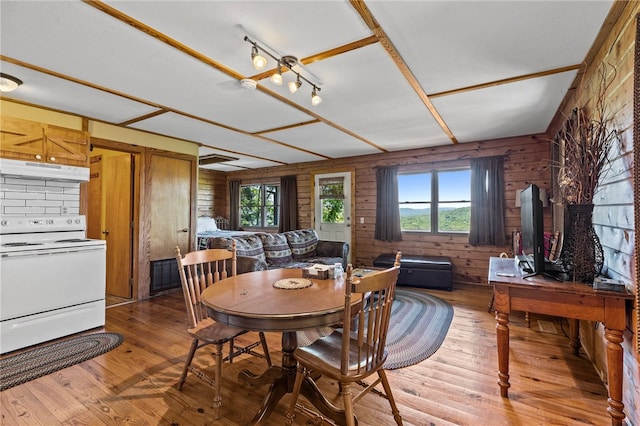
point(135, 383)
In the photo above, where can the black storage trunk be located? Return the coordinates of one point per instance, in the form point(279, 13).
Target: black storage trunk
point(420, 271)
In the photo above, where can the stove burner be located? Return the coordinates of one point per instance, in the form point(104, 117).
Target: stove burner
point(73, 240)
point(20, 244)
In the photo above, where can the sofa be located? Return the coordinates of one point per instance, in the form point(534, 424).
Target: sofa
point(291, 249)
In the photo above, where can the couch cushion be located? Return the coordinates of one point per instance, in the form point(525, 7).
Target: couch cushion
point(246, 245)
point(276, 248)
point(303, 243)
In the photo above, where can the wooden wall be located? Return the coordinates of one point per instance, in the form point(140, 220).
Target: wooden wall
point(212, 194)
point(614, 204)
point(526, 161)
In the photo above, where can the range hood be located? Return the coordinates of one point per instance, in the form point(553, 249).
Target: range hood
point(32, 169)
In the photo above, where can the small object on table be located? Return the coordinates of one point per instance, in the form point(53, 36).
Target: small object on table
point(293, 283)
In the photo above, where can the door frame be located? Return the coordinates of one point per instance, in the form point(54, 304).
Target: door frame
point(352, 204)
point(137, 257)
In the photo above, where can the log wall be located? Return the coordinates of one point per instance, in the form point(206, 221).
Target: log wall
point(613, 214)
point(526, 160)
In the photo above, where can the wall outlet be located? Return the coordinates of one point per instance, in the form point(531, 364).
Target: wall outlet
point(362, 220)
point(65, 210)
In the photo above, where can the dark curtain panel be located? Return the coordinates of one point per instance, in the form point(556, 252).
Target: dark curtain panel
point(288, 204)
point(387, 211)
point(487, 202)
point(234, 205)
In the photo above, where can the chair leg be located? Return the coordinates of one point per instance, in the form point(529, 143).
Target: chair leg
point(294, 395)
point(392, 402)
point(345, 390)
point(217, 398)
point(232, 350)
point(265, 348)
point(187, 363)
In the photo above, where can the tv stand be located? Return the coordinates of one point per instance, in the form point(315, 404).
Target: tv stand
point(579, 301)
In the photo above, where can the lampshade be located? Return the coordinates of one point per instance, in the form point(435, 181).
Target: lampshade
point(315, 98)
point(276, 78)
point(259, 61)
point(9, 83)
point(543, 197)
point(295, 85)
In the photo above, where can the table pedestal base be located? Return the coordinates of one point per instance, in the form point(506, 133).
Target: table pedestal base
point(282, 380)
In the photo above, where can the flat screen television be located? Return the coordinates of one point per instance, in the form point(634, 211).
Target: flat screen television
point(532, 261)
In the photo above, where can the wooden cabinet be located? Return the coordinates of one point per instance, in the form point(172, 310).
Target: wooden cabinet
point(29, 140)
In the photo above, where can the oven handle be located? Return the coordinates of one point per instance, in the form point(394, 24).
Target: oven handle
point(67, 250)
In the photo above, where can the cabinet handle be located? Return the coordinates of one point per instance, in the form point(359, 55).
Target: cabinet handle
point(52, 158)
point(185, 229)
point(38, 157)
point(105, 232)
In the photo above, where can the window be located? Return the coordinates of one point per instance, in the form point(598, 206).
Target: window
point(332, 199)
point(447, 192)
point(259, 205)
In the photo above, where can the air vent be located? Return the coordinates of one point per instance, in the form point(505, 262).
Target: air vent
point(214, 158)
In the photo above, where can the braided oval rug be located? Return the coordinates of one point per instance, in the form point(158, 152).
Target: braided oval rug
point(43, 360)
point(419, 325)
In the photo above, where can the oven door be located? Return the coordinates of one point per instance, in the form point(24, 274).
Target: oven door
point(51, 293)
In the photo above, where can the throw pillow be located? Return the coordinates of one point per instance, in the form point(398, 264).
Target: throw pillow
point(303, 243)
point(276, 249)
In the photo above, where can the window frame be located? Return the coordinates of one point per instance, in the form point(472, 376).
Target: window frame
point(435, 203)
point(263, 206)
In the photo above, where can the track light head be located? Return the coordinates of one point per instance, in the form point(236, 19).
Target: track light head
point(315, 98)
point(295, 85)
point(259, 61)
point(276, 78)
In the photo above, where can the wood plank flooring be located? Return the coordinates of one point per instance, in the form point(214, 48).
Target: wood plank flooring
point(135, 384)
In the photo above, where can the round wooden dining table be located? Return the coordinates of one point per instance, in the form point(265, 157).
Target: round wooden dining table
point(251, 301)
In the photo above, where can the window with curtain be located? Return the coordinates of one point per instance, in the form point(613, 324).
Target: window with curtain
point(487, 202)
point(435, 201)
point(260, 205)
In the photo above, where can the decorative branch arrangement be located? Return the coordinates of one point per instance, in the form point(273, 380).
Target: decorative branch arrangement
point(586, 141)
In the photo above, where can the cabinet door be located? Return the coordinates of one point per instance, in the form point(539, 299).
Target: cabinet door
point(171, 189)
point(67, 146)
point(21, 139)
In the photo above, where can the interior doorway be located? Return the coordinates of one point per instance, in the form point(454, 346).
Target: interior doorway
point(333, 207)
point(110, 217)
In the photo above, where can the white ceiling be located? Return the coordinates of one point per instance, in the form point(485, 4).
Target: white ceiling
point(436, 73)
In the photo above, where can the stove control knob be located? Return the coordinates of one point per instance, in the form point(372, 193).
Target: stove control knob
point(50, 221)
point(4, 222)
point(70, 221)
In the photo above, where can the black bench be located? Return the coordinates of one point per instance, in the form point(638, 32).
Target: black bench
point(420, 271)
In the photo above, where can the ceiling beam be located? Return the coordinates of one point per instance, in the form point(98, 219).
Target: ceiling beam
point(374, 26)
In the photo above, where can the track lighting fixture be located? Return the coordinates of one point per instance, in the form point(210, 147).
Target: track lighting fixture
point(276, 78)
point(295, 85)
point(9, 83)
point(259, 61)
point(288, 62)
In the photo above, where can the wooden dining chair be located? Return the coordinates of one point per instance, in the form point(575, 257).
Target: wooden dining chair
point(199, 270)
point(357, 350)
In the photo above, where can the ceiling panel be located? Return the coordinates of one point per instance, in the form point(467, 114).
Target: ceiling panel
point(453, 44)
point(63, 95)
point(498, 111)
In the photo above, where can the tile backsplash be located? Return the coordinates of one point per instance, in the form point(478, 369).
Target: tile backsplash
point(23, 196)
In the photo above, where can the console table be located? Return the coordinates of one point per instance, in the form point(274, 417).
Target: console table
point(576, 301)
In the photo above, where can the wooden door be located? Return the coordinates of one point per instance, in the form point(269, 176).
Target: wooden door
point(336, 198)
point(118, 190)
point(94, 197)
point(171, 189)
